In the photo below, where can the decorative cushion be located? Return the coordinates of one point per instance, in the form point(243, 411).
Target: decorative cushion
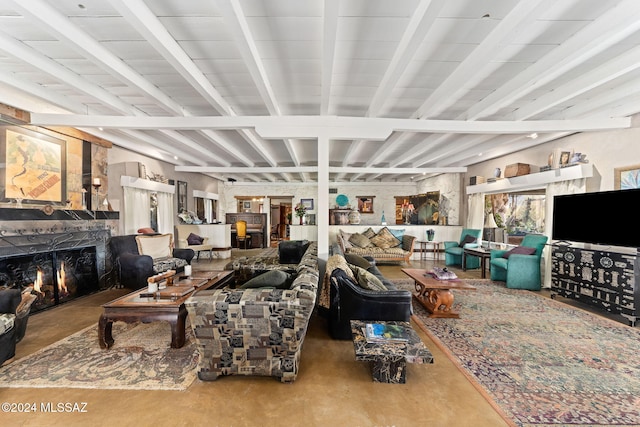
point(399, 234)
point(160, 246)
point(291, 251)
point(338, 262)
point(467, 239)
point(345, 239)
point(160, 265)
point(367, 280)
point(369, 233)
point(360, 240)
point(357, 260)
point(147, 230)
point(272, 279)
point(384, 239)
point(523, 250)
point(6, 322)
point(194, 239)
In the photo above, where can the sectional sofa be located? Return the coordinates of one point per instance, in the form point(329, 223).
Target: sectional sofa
point(256, 331)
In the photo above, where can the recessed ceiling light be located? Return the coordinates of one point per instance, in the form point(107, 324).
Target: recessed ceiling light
point(532, 135)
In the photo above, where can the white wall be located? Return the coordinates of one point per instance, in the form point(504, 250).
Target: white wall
point(196, 181)
point(605, 150)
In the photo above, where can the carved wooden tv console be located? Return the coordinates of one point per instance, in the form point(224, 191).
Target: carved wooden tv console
point(605, 279)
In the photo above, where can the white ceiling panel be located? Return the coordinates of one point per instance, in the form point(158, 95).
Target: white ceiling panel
point(289, 61)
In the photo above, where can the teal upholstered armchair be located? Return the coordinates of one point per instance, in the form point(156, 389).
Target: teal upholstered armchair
point(469, 238)
point(521, 266)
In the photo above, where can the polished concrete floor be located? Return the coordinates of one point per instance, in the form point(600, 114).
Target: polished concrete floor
point(332, 389)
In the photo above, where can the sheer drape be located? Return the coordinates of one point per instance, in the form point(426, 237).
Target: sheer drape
point(137, 204)
point(165, 212)
point(208, 210)
point(564, 187)
point(475, 217)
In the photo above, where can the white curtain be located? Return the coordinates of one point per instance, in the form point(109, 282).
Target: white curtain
point(137, 204)
point(165, 212)
point(475, 217)
point(556, 188)
point(208, 210)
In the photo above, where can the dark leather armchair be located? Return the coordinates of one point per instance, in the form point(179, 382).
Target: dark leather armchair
point(134, 269)
point(9, 302)
point(351, 302)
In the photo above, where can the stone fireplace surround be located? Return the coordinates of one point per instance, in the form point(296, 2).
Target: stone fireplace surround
point(25, 232)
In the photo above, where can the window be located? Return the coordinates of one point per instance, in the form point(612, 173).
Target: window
point(518, 213)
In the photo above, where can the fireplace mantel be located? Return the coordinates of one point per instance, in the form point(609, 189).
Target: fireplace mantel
point(36, 214)
point(29, 231)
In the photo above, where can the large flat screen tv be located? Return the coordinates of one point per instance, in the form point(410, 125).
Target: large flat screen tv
point(606, 218)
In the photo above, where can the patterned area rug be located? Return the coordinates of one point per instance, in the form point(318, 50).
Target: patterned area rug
point(541, 362)
point(140, 359)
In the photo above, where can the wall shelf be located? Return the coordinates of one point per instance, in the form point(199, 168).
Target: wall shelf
point(533, 180)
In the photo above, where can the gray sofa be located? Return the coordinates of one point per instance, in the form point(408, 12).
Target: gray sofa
point(256, 331)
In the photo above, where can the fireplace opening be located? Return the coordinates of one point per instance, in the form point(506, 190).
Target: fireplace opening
point(54, 277)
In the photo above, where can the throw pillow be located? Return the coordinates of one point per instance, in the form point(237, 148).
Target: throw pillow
point(360, 240)
point(271, 279)
point(369, 233)
point(160, 246)
point(367, 280)
point(399, 234)
point(467, 239)
point(357, 260)
point(194, 239)
point(147, 230)
point(338, 262)
point(384, 239)
point(345, 239)
point(523, 250)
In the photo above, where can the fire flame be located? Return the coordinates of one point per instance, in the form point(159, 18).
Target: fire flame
point(62, 277)
point(37, 285)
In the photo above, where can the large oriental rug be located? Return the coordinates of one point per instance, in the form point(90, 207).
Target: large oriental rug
point(541, 362)
point(140, 359)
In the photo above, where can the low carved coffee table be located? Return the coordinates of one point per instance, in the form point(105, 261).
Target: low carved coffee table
point(436, 295)
point(140, 306)
point(389, 359)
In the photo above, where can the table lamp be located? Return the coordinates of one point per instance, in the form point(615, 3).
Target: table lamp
point(490, 223)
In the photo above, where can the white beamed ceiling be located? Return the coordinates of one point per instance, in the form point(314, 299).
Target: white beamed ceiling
point(247, 89)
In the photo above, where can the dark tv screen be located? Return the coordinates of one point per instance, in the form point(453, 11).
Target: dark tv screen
point(606, 218)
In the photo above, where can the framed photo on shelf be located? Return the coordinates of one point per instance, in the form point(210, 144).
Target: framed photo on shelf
point(307, 203)
point(365, 204)
point(627, 177)
point(35, 166)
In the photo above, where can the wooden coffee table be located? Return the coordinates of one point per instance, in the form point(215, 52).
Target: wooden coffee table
point(138, 307)
point(436, 295)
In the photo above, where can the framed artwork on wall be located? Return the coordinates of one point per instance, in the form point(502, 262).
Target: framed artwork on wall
point(627, 177)
point(182, 196)
point(365, 204)
point(307, 203)
point(35, 166)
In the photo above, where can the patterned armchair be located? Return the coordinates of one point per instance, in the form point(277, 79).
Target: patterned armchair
point(453, 250)
point(520, 267)
point(257, 331)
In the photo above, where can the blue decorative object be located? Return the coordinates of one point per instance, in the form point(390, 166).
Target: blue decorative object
point(430, 234)
point(342, 200)
point(383, 220)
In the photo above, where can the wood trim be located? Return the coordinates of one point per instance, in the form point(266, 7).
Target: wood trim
point(75, 133)
point(22, 116)
point(15, 113)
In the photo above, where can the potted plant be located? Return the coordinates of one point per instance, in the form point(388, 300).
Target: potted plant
point(301, 211)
